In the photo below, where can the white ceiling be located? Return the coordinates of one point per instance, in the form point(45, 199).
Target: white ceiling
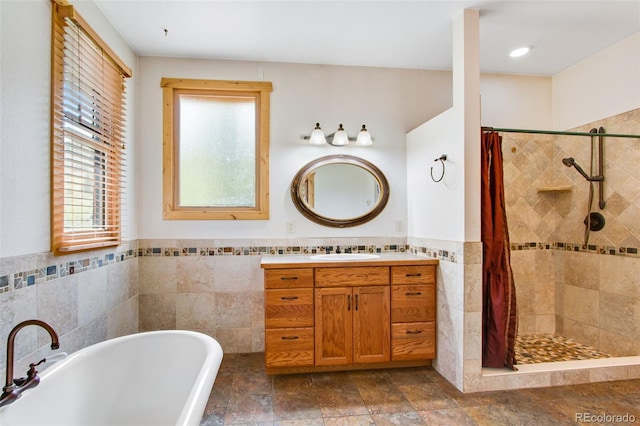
point(391, 33)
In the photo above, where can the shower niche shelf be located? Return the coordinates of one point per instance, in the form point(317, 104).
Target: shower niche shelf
point(555, 188)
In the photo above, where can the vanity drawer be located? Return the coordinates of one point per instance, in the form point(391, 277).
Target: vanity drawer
point(413, 341)
point(289, 347)
point(345, 277)
point(418, 274)
point(288, 278)
point(289, 308)
point(413, 303)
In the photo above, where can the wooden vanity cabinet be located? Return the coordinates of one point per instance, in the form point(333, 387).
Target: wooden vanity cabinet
point(341, 317)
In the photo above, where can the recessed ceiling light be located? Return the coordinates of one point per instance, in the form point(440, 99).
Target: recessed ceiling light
point(520, 51)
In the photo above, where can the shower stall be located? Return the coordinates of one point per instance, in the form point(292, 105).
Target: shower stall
point(575, 261)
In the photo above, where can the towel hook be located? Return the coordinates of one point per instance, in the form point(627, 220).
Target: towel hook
point(442, 159)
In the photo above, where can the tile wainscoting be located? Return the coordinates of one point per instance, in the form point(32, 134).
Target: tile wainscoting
point(216, 287)
point(86, 297)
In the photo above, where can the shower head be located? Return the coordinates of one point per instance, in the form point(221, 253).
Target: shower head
point(571, 162)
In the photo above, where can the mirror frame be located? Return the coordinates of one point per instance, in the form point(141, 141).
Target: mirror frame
point(335, 222)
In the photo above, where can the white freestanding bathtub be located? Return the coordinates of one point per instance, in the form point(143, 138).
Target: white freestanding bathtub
point(153, 378)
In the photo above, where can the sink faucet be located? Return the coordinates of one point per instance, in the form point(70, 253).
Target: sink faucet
point(14, 388)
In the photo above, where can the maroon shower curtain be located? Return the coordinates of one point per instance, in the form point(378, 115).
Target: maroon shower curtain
point(499, 315)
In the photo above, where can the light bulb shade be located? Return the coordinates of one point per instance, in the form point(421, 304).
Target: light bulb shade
point(364, 138)
point(340, 137)
point(317, 136)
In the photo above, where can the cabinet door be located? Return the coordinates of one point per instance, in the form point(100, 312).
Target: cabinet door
point(334, 338)
point(371, 324)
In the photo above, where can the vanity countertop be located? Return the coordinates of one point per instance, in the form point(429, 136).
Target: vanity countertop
point(383, 259)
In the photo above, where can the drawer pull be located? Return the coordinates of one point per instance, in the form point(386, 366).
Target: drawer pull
point(414, 331)
point(356, 302)
point(290, 337)
point(413, 293)
point(288, 278)
point(348, 302)
point(413, 275)
point(289, 298)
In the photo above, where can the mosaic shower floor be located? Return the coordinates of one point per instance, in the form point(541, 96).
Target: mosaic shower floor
point(536, 348)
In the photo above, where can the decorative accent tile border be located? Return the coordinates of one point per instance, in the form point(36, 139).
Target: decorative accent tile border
point(4, 284)
point(450, 256)
point(23, 279)
point(269, 250)
point(588, 248)
point(445, 255)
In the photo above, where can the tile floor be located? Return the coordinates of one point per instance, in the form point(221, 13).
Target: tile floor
point(244, 394)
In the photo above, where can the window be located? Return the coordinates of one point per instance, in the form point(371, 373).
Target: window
point(216, 149)
point(87, 137)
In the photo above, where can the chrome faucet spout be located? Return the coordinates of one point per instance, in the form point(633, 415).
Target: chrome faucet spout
point(10, 392)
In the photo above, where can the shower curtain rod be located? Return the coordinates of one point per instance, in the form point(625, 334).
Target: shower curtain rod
point(553, 132)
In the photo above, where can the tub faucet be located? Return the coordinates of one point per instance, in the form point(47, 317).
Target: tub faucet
point(13, 388)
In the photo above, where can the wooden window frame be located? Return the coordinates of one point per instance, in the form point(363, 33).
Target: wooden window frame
point(171, 87)
point(97, 128)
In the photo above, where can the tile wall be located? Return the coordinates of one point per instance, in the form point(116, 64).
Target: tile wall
point(591, 292)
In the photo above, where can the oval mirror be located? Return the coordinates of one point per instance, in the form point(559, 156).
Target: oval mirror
point(340, 191)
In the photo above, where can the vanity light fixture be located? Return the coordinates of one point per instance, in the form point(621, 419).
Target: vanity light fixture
point(339, 137)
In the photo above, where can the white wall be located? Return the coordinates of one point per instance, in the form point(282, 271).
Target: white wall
point(25, 74)
point(436, 210)
point(450, 210)
point(601, 86)
point(389, 101)
point(515, 101)
point(24, 138)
